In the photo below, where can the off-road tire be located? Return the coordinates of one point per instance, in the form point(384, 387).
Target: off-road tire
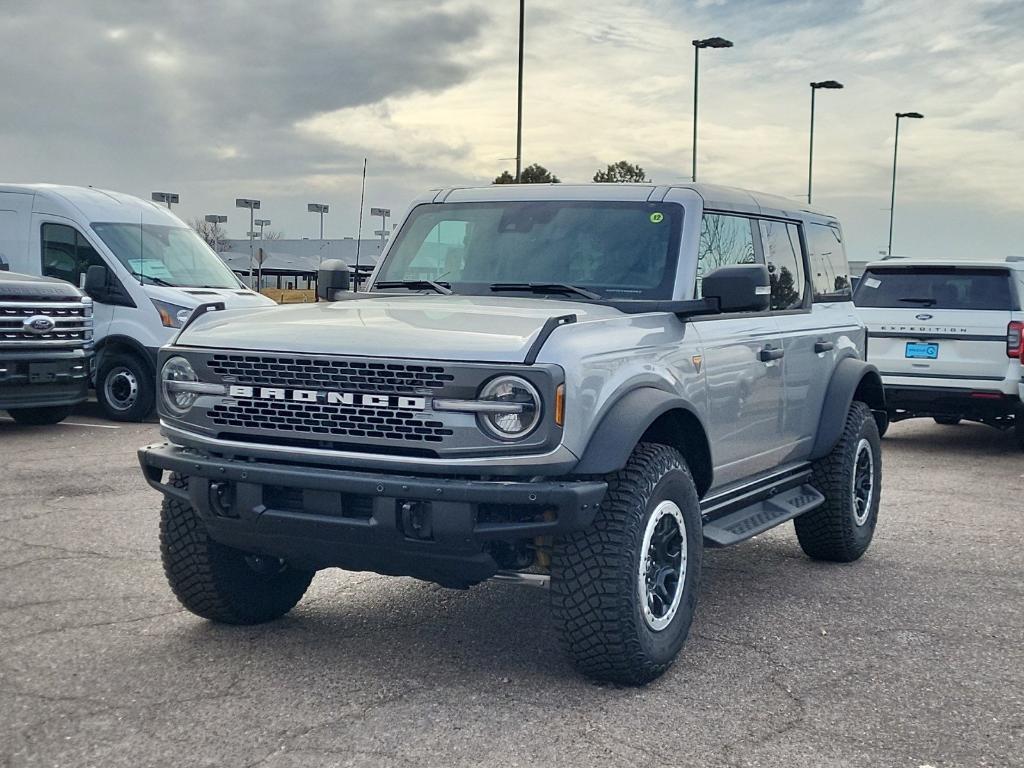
point(216, 582)
point(144, 399)
point(53, 414)
point(832, 532)
point(947, 421)
point(595, 592)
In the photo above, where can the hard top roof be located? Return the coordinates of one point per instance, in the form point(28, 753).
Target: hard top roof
point(96, 204)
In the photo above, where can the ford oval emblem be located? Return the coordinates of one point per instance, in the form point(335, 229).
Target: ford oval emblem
point(923, 317)
point(39, 325)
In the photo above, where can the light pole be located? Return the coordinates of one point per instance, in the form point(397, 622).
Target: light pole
point(261, 223)
point(519, 112)
point(895, 156)
point(212, 218)
point(320, 208)
point(830, 85)
point(708, 42)
point(252, 205)
point(384, 213)
point(165, 197)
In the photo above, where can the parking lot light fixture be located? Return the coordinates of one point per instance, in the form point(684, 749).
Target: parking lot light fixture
point(166, 197)
point(895, 157)
point(252, 205)
point(708, 42)
point(828, 85)
point(261, 223)
point(216, 220)
point(320, 208)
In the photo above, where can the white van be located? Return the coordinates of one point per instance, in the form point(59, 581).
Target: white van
point(948, 338)
point(156, 270)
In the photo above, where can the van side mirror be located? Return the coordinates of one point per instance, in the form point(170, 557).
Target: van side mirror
point(739, 288)
point(333, 277)
point(96, 280)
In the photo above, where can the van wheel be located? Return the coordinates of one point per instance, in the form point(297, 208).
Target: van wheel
point(949, 421)
point(220, 583)
point(850, 477)
point(624, 590)
point(39, 416)
point(125, 387)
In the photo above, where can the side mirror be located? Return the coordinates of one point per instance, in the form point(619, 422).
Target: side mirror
point(332, 278)
point(739, 288)
point(96, 282)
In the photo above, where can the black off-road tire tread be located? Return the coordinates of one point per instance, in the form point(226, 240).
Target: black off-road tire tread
point(827, 533)
point(41, 416)
point(146, 401)
point(593, 575)
point(194, 566)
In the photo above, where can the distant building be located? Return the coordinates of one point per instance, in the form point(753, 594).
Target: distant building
point(292, 264)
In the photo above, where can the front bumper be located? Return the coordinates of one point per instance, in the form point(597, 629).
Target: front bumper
point(433, 528)
point(41, 380)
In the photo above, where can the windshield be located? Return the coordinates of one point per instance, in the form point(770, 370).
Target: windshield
point(163, 255)
point(615, 249)
point(935, 288)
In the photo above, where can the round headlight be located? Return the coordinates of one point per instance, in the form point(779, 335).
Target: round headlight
point(514, 423)
point(177, 369)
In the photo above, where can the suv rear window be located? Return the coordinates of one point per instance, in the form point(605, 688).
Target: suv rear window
point(936, 288)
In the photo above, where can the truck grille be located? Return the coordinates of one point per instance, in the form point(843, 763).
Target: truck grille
point(322, 373)
point(332, 421)
point(72, 324)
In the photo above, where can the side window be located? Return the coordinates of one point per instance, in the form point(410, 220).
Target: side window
point(724, 240)
point(830, 274)
point(785, 259)
point(66, 253)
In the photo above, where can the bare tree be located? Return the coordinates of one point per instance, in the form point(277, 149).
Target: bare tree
point(213, 234)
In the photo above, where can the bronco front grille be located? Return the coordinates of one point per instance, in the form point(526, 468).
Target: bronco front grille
point(323, 373)
point(332, 421)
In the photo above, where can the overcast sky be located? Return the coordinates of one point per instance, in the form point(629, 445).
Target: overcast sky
point(282, 100)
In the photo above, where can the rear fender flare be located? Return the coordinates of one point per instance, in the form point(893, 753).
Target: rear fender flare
point(852, 378)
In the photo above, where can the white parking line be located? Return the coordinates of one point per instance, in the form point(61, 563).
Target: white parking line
point(72, 424)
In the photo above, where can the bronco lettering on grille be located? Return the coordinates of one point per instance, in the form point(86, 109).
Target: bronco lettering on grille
point(330, 397)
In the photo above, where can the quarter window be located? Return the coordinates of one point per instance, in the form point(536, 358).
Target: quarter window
point(785, 257)
point(724, 241)
point(830, 274)
point(67, 255)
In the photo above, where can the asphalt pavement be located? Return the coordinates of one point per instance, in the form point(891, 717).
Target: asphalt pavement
point(913, 656)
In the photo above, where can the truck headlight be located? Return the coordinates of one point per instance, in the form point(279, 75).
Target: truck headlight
point(523, 415)
point(177, 371)
point(172, 315)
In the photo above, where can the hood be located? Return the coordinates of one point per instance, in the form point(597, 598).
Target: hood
point(470, 328)
point(18, 287)
point(233, 298)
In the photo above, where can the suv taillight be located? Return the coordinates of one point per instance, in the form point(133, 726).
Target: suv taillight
point(1015, 339)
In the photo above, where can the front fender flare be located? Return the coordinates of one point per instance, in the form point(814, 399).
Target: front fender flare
point(622, 426)
point(851, 378)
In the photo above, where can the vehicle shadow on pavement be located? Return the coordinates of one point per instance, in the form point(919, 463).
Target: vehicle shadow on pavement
point(966, 438)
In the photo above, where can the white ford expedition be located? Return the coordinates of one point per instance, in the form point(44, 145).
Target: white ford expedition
point(947, 339)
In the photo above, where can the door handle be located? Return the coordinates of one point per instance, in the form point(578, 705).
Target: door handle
point(769, 353)
point(823, 346)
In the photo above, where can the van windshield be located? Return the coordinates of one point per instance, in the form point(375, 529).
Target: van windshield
point(935, 288)
point(163, 255)
point(621, 250)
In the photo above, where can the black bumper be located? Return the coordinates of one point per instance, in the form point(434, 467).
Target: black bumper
point(40, 380)
point(428, 527)
point(910, 402)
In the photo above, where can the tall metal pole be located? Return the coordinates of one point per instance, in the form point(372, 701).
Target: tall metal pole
point(321, 225)
point(892, 200)
point(696, 71)
point(519, 114)
point(252, 255)
point(359, 234)
point(810, 153)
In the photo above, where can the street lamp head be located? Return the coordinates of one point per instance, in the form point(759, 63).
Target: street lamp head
point(262, 222)
point(713, 42)
point(165, 197)
point(213, 218)
point(914, 115)
point(318, 208)
point(243, 202)
point(828, 84)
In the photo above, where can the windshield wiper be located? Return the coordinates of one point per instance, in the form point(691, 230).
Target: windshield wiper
point(442, 288)
point(916, 300)
point(154, 280)
point(546, 288)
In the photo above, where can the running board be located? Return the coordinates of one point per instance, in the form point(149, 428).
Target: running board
point(761, 516)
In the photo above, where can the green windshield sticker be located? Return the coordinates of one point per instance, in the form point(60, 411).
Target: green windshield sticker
point(657, 217)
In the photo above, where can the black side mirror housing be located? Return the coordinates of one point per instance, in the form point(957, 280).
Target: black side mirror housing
point(333, 277)
point(739, 288)
point(96, 282)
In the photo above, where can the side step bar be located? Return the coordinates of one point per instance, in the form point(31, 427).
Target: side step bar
point(761, 516)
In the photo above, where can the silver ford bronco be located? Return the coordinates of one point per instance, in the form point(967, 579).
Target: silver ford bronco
point(576, 385)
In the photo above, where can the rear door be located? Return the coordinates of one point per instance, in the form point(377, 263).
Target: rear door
point(938, 322)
